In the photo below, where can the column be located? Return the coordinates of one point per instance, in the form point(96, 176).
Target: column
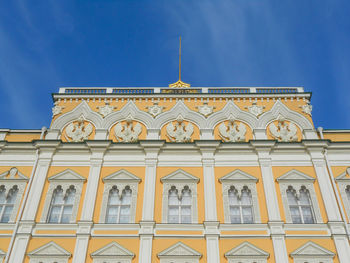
point(275, 223)
point(211, 224)
point(27, 222)
point(146, 232)
point(98, 149)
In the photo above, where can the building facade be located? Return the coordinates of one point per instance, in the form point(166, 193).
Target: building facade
point(178, 174)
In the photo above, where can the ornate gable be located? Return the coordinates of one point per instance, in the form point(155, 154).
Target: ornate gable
point(50, 249)
point(113, 249)
point(67, 175)
point(294, 176)
point(311, 249)
point(246, 250)
point(13, 174)
point(179, 175)
point(238, 175)
point(179, 250)
point(121, 176)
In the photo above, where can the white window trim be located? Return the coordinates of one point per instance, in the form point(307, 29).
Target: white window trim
point(9, 179)
point(312, 253)
point(120, 179)
point(239, 179)
point(111, 253)
point(65, 179)
point(297, 179)
point(343, 181)
point(247, 253)
point(50, 252)
point(180, 179)
point(179, 253)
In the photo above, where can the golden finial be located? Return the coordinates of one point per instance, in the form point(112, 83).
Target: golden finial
point(179, 83)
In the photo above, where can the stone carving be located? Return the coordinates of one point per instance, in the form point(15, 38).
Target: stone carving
point(205, 109)
point(284, 132)
point(127, 132)
point(232, 132)
point(105, 110)
point(255, 109)
point(56, 109)
point(180, 132)
point(78, 132)
point(155, 109)
point(306, 109)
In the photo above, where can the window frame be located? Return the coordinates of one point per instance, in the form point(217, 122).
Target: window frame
point(239, 179)
point(179, 179)
point(9, 179)
point(121, 179)
point(65, 179)
point(343, 181)
point(297, 180)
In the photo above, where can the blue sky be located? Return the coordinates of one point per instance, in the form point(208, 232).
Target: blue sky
point(53, 43)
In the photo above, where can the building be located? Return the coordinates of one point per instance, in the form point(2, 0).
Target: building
point(176, 174)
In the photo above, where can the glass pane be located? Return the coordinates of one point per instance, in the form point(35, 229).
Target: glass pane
point(67, 213)
point(7, 214)
point(235, 215)
point(2, 195)
point(292, 200)
point(247, 215)
point(185, 219)
point(304, 198)
point(58, 197)
point(173, 210)
point(295, 214)
point(173, 198)
point(126, 198)
point(125, 210)
point(233, 198)
point(186, 200)
point(112, 213)
point(307, 215)
point(54, 215)
point(246, 199)
point(173, 219)
point(114, 197)
point(11, 198)
point(70, 197)
point(186, 210)
point(124, 219)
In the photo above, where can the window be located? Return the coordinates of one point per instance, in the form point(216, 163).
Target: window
point(300, 206)
point(63, 197)
point(179, 205)
point(118, 210)
point(240, 198)
point(7, 201)
point(62, 205)
point(241, 206)
point(119, 198)
point(299, 198)
point(180, 198)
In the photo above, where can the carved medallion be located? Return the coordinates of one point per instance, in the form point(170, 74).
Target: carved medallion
point(205, 109)
point(179, 132)
point(128, 132)
point(56, 109)
point(284, 132)
point(78, 131)
point(155, 109)
point(232, 132)
point(105, 110)
point(306, 109)
point(255, 109)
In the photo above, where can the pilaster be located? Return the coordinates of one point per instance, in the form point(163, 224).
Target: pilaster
point(146, 234)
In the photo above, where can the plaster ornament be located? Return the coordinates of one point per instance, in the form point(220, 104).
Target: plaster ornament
point(205, 109)
point(306, 109)
point(232, 132)
point(12, 173)
point(127, 132)
point(105, 110)
point(78, 132)
point(179, 132)
point(155, 109)
point(284, 132)
point(255, 109)
point(56, 109)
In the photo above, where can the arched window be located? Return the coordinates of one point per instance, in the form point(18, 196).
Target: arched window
point(347, 191)
point(300, 206)
point(180, 205)
point(118, 207)
point(241, 207)
point(7, 202)
point(62, 205)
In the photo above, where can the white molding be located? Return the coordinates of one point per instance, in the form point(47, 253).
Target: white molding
point(247, 253)
point(239, 180)
point(120, 179)
point(343, 182)
point(178, 253)
point(65, 179)
point(297, 179)
point(111, 253)
point(312, 252)
point(50, 251)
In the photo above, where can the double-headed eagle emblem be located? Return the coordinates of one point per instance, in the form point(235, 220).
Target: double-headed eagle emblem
point(127, 132)
point(284, 132)
point(78, 132)
point(179, 132)
point(232, 132)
